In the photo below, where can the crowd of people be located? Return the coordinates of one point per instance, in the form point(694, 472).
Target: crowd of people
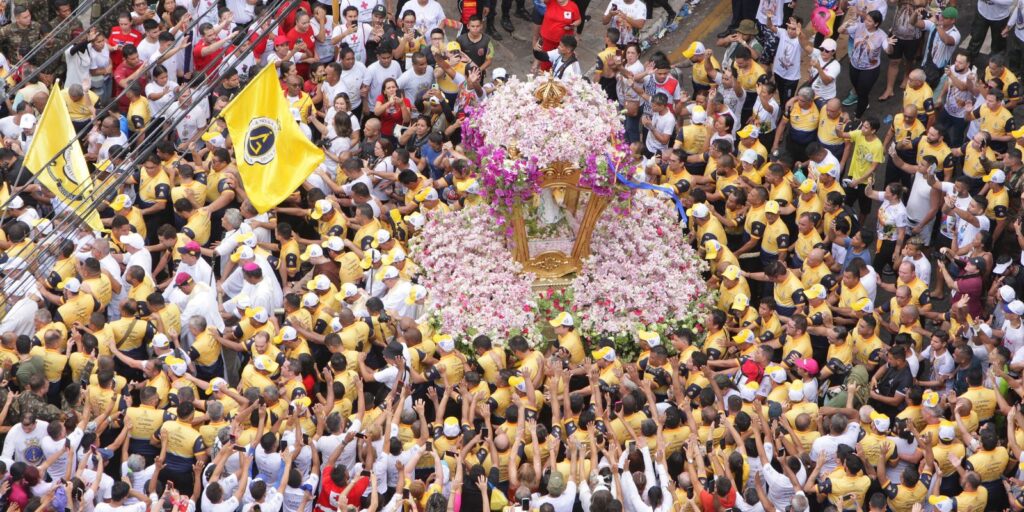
point(864, 351)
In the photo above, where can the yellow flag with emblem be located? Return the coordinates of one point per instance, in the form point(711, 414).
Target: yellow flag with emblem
point(273, 156)
point(67, 175)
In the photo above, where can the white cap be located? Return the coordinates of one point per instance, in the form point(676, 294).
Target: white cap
point(828, 45)
point(383, 236)
point(698, 115)
point(1016, 307)
point(320, 283)
point(334, 243)
point(133, 240)
point(310, 300)
point(446, 343)
point(389, 272)
point(160, 340)
point(349, 290)
point(1007, 293)
point(288, 333)
point(796, 392)
point(71, 284)
point(749, 156)
point(700, 210)
point(28, 121)
point(499, 74)
point(16, 203)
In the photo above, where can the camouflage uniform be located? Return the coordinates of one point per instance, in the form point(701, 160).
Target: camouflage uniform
point(110, 21)
point(40, 9)
point(14, 38)
point(31, 402)
point(60, 40)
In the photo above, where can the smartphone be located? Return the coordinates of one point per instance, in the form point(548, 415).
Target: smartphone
point(429, 446)
point(405, 494)
point(364, 472)
point(485, 432)
point(614, 7)
point(524, 504)
point(240, 449)
point(630, 445)
point(450, 453)
point(360, 435)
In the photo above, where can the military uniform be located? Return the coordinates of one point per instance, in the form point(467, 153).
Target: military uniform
point(31, 402)
point(40, 9)
point(62, 39)
point(14, 37)
point(110, 21)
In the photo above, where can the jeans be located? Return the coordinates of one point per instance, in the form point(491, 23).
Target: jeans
point(952, 128)
point(859, 197)
point(104, 92)
point(979, 27)
point(862, 81)
point(741, 10)
point(650, 9)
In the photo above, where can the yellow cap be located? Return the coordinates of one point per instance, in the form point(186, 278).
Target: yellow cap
point(454, 46)
point(863, 304)
point(120, 202)
point(711, 249)
point(808, 186)
point(771, 206)
point(1018, 133)
point(816, 291)
point(564, 319)
point(517, 382)
point(321, 208)
point(731, 272)
point(740, 302)
point(606, 353)
point(747, 131)
point(744, 336)
point(695, 48)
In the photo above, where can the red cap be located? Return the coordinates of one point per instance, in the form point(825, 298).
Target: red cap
point(807, 364)
point(281, 41)
point(182, 278)
point(752, 371)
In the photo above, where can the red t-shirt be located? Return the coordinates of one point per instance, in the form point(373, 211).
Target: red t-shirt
point(391, 117)
point(119, 38)
point(293, 37)
point(121, 72)
point(327, 501)
point(558, 20)
point(200, 62)
point(289, 21)
point(707, 500)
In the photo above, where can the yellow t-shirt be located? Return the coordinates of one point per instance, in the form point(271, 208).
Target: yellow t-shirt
point(865, 153)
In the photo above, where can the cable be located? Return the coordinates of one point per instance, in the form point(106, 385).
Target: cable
point(72, 222)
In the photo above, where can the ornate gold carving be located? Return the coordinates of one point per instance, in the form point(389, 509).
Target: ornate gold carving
point(551, 264)
point(550, 93)
point(560, 173)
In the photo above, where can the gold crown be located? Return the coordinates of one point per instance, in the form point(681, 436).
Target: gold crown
point(550, 93)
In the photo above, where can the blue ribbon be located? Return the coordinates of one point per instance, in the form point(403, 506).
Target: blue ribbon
point(664, 190)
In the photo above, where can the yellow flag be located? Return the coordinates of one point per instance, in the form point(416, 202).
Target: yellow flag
point(67, 175)
point(273, 156)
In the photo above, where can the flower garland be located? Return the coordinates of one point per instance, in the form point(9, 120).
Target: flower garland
point(474, 285)
point(514, 138)
point(641, 275)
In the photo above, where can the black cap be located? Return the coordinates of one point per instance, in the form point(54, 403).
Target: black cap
point(978, 262)
point(380, 10)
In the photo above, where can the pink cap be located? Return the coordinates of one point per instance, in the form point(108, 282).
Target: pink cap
point(807, 364)
point(250, 267)
point(182, 278)
point(191, 247)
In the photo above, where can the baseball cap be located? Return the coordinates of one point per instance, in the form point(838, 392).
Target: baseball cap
point(160, 340)
point(711, 248)
point(1016, 307)
point(749, 131)
point(454, 46)
point(771, 206)
point(1007, 293)
point(978, 262)
point(564, 319)
point(996, 176)
point(950, 13)
point(699, 210)
point(731, 272)
point(880, 421)
point(828, 45)
point(380, 10)
point(321, 208)
point(499, 74)
point(28, 121)
point(71, 284)
point(281, 40)
point(182, 278)
point(191, 247)
point(310, 300)
point(807, 364)
point(389, 272)
point(698, 115)
point(739, 302)
point(606, 353)
point(749, 157)
point(652, 338)
point(134, 240)
point(695, 48)
point(121, 202)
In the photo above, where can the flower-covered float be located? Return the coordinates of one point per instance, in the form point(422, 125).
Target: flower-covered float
point(545, 240)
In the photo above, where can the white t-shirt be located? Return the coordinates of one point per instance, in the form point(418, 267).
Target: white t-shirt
point(375, 77)
point(636, 10)
point(922, 267)
point(135, 507)
point(867, 47)
point(664, 124)
point(965, 231)
point(293, 496)
point(356, 40)
point(147, 49)
point(892, 217)
point(562, 503)
point(365, 8)
point(353, 80)
point(428, 16)
point(832, 69)
point(412, 85)
point(787, 56)
point(158, 105)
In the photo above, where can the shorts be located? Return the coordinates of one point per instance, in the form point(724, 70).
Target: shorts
point(906, 49)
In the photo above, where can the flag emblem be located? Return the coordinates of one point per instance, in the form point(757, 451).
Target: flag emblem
point(260, 141)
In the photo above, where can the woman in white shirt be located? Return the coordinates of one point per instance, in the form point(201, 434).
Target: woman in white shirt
point(322, 26)
point(892, 225)
point(160, 91)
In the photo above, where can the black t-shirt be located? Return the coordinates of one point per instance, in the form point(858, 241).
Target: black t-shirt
point(894, 381)
point(477, 52)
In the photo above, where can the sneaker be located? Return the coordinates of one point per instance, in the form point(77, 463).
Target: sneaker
point(661, 33)
point(506, 23)
point(694, 3)
point(850, 100)
point(645, 45)
point(671, 27)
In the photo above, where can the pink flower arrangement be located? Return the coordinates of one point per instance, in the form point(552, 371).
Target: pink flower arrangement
point(474, 285)
point(641, 273)
point(583, 131)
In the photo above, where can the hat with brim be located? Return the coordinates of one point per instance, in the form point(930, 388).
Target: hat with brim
point(747, 28)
